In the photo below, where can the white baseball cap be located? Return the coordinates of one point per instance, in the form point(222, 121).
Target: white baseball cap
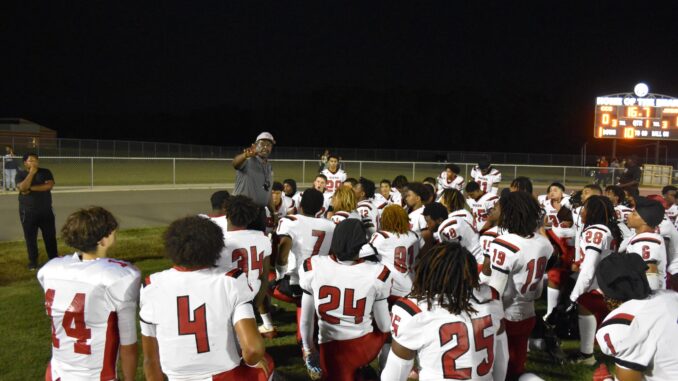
point(266, 136)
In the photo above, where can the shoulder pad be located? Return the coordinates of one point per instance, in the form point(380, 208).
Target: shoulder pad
point(513, 248)
point(408, 306)
point(234, 273)
point(382, 233)
point(645, 239)
point(620, 318)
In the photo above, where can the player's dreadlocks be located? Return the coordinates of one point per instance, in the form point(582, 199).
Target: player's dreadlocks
point(446, 275)
point(453, 200)
point(520, 214)
point(599, 211)
point(394, 219)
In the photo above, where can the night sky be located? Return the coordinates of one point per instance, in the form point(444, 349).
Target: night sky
point(490, 76)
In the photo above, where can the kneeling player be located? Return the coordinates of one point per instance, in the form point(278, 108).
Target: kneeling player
point(92, 302)
point(345, 292)
point(189, 313)
point(445, 307)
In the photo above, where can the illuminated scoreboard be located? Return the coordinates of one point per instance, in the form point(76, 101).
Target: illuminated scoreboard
point(626, 116)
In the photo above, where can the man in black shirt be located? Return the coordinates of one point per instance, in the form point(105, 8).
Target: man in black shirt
point(35, 208)
point(630, 179)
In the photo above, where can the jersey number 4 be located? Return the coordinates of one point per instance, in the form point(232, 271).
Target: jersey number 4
point(196, 326)
point(449, 331)
point(73, 322)
point(334, 293)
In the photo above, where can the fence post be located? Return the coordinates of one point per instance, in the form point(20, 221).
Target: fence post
point(413, 171)
point(515, 171)
point(564, 174)
point(303, 171)
point(79, 148)
point(91, 172)
point(174, 171)
point(360, 169)
point(4, 180)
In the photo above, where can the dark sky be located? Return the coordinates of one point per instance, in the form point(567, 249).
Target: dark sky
point(494, 76)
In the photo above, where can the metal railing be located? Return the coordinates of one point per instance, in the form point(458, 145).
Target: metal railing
point(92, 172)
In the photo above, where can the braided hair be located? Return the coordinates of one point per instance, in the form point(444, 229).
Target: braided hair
point(599, 211)
point(453, 200)
point(446, 275)
point(520, 214)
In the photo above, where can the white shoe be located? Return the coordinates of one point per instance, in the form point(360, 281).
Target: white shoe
point(268, 333)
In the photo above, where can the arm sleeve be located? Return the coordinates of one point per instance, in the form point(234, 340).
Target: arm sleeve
point(148, 329)
point(306, 276)
point(587, 270)
point(629, 346)
point(396, 369)
point(241, 295)
point(384, 282)
point(405, 329)
point(146, 313)
point(306, 321)
point(284, 227)
point(502, 265)
point(48, 175)
point(124, 295)
point(381, 315)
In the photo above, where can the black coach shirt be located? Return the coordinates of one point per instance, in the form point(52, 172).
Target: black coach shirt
point(36, 201)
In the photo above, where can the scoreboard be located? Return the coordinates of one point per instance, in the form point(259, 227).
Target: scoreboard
point(626, 116)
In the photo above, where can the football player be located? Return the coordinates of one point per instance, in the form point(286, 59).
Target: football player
point(448, 321)
point(319, 184)
point(291, 194)
point(91, 301)
point(398, 247)
point(456, 204)
point(387, 195)
point(641, 330)
point(344, 205)
point(618, 197)
point(487, 177)
point(301, 236)
point(346, 293)
point(645, 219)
point(450, 179)
point(218, 201)
point(516, 269)
point(597, 240)
point(452, 228)
point(335, 175)
point(481, 204)
point(367, 210)
point(197, 320)
point(556, 196)
point(669, 194)
point(521, 184)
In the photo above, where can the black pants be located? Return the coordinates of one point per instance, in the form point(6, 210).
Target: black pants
point(31, 221)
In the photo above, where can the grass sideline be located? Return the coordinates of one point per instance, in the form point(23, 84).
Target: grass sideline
point(26, 329)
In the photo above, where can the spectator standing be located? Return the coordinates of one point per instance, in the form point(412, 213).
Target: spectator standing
point(35, 208)
point(10, 167)
point(323, 160)
point(602, 171)
point(630, 179)
point(254, 174)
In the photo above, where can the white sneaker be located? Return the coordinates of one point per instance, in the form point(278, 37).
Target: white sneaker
point(268, 333)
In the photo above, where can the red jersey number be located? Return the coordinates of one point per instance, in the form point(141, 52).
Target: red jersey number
point(357, 311)
point(449, 331)
point(73, 322)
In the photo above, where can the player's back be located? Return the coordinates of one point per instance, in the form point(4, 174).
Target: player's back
point(84, 298)
point(523, 260)
point(449, 346)
point(344, 293)
point(310, 236)
point(245, 250)
point(367, 209)
point(641, 335)
point(456, 228)
point(398, 252)
point(192, 313)
point(337, 217)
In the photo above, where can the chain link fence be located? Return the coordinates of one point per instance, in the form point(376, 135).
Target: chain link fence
point(93, 172)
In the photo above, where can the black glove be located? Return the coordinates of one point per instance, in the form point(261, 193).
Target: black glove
point(560, 312)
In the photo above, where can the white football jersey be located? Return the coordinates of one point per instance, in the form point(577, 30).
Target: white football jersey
point(310, 236)
point(595, 243)
point(651, 247)
point(367, 209)
point(334, 180)
point(294, 201)
point(672, 213)
point(344, 293)
point(454, 183)
point(246, 250)
point(486, 238)
point(437, 335)
point(417, 220)
point(398, 252)
point(518, 266)
point(481, 208)
point(192, 314)
point(641, 335)
point(622, 212)
point(542, 199)
point(337, 217)
point(488, 182)
point(551, 213)
point(219, 219)
point(670, 234)
point(456, 228)
point(92, 305)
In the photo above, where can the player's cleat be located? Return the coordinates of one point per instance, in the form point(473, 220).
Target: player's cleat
point(580, 358)
point(312, 362)
point(552, 346)
point(268, 333)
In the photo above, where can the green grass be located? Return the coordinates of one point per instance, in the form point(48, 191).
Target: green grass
point(25, 329)
point(78, 172)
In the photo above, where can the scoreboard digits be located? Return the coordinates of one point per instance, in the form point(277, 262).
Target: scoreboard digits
point(636, 118)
